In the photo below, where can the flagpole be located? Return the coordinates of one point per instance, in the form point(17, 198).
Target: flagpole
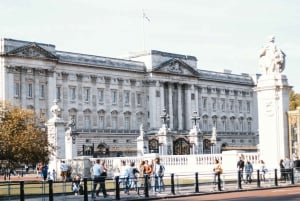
point(143, 29)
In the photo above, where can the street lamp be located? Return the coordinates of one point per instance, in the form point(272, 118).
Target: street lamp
point(195, 118)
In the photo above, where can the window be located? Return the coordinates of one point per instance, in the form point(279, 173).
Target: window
point(127, 123)
point(193, 96)
point(248, 106)
point(157, 93)
point(223, 120)
point(240, 106)
point(204, 103)
point(114, 96)
point(17, 89)
point(87, 121)
point(223, 105)
point(241, 124)
point(214, 104)
point(126, 97)
point(72, 93)
point(42, 90)
point(100, 95)
point(114, 122)
point(205, 123)
point(29, 90)
point(231, 105)
point(101, 122)
point(139, 99)
point(58, 92)
point(232, 122)
point(74, 117)
point(86, 94)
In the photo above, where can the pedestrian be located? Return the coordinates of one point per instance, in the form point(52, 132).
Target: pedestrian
point(124, 176)
point(263, 170)
point(96, 171)
point(54, 175)
point(141, 178)
point(217, 173)
point(240, 167)
point(103, 176)
point(148, 172)
point(63, 170)
point(288, 165)
point(76, 185)
point(158, 171)
point(45, 172)
point(248, 171)
point(282, 171)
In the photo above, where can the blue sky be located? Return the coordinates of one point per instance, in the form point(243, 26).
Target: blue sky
point(221, 34)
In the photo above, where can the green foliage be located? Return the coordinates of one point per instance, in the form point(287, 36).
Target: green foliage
point(294, 100)
point(22, 141)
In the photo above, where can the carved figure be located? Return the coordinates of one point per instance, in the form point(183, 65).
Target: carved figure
point(272, 58)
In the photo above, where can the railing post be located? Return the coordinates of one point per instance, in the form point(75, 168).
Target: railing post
point(50, 190)
point(117, 184)
point(196, 183)
point(85, 190)
point(292, 176)
point(172, 184)
point(239, 179)
point(219, 182)
point(22, 191)
point(146, 187)
point(276, 178)
point(258, 179)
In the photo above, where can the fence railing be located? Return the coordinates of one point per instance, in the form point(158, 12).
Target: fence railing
point(149, 186)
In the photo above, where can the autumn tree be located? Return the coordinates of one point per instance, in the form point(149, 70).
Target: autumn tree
point(294, 100)
point(22, 141)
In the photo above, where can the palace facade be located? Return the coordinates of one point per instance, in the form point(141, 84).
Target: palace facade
point(110, 99)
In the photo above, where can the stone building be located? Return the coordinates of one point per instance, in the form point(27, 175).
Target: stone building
point(110, 98)
point(294, 132)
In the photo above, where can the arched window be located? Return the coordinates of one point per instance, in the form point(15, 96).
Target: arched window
point(127, 120)
point(114, 119)
point(101, 119)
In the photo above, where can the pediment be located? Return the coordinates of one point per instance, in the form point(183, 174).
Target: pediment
point(32, 50)
point(176, 66)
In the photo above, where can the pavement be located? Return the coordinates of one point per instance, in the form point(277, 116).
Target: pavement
point(180, 190)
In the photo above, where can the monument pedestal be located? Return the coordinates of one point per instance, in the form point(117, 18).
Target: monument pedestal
point(273, 104)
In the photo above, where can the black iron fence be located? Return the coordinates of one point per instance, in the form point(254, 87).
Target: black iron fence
point(148, 186)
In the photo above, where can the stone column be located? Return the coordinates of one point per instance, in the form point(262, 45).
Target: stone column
point(180, 107)
point(188, 107)
point(153, 105)
point(170, 86)
point(273, 102)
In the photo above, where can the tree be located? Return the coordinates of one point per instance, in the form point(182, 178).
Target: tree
point(22, 141)
point(294, 100)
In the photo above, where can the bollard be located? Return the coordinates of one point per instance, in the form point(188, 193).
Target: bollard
point(258, 179)
point(239, 180)
point(117, 184)
point(292, 176)
point(196, 183)
point(172, 184)
point(50, 190)
point(85, 190)
point(276, 179)
point(22, 191)
point(146, 187)
point(219, 182)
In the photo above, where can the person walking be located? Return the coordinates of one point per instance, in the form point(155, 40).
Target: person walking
point(248, 171)
point(158, 171)
point(240, 167)
point(282, 171)
point(96, 170)
point(217, 173)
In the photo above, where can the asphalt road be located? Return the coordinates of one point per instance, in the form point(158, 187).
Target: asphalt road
point(279, 194)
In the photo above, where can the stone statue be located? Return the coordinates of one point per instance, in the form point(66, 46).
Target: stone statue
point(272, 59)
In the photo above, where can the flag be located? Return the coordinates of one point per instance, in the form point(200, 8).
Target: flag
point(146, 17)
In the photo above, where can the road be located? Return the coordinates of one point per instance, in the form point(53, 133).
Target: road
point(279, 194)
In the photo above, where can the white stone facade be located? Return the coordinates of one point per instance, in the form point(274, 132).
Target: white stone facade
point(109, 98)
